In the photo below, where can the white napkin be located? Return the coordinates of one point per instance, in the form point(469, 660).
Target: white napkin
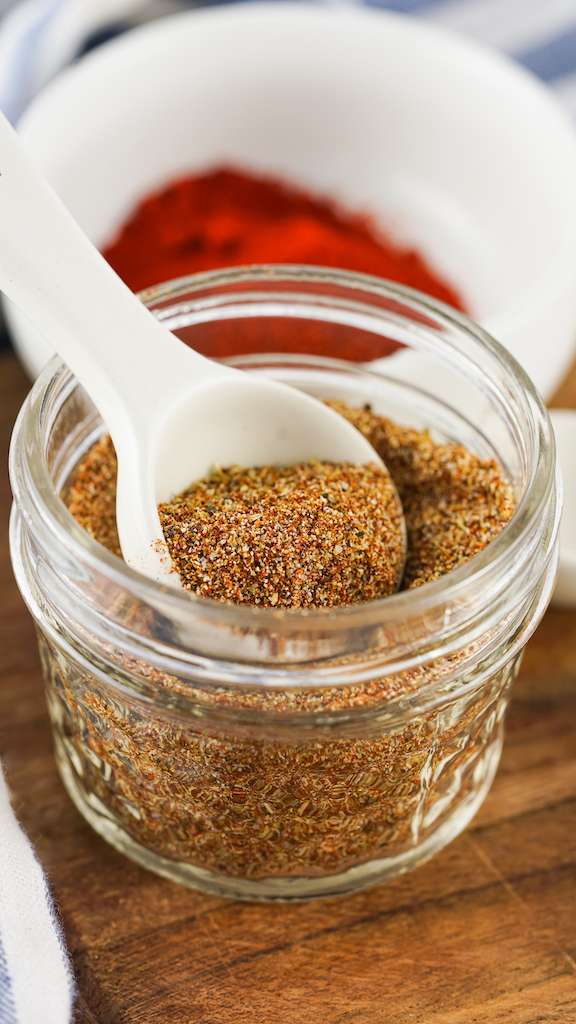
point(36, 985)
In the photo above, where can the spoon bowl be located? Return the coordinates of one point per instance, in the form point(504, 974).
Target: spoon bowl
point(235, 419)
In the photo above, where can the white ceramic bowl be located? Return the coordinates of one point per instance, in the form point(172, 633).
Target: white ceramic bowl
point(453, 147)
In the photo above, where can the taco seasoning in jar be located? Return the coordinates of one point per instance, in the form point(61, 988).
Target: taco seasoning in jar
point(262, 738)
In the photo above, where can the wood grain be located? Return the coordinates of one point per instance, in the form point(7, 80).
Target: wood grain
point(484, 934)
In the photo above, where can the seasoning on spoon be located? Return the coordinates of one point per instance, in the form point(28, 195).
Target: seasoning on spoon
point(313, 535)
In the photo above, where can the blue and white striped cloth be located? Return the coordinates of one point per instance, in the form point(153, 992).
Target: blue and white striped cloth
point(36, 984)
point(37, 39)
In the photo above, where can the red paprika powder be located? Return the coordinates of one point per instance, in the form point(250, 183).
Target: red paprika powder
point(227, 217)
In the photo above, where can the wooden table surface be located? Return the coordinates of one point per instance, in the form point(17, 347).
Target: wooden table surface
point(484, 934)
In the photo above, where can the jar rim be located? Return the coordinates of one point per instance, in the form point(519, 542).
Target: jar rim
point(56, 519)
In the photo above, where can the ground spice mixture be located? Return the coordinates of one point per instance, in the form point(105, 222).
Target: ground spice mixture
point(314, 535)
point(248, 805)
point(454, 502)
point(232, 217)
point(228, 217)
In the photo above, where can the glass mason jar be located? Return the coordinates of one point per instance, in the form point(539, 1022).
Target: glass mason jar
point(262, 753)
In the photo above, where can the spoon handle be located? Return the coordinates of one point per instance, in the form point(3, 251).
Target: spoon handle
point(127, 361)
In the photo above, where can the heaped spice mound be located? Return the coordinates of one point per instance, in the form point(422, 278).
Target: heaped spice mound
point(313, 535)
point(228, 216)
point(454, 504)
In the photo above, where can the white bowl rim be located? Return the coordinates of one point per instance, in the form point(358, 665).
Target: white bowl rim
point(555, 273)
point(334, 19)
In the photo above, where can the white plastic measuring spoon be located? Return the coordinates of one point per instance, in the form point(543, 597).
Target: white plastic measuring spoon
point(172, 414)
